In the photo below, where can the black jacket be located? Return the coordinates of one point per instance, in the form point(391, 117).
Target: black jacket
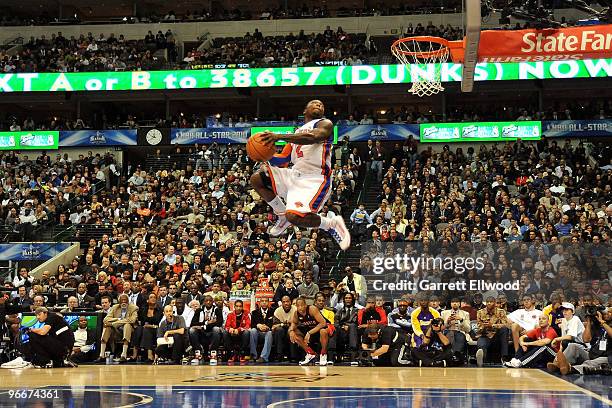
point(199, 318)
point(258, 318)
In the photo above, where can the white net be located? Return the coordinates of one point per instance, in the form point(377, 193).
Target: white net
point(423, 58)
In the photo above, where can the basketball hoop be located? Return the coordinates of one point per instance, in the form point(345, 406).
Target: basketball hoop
point(424, 50)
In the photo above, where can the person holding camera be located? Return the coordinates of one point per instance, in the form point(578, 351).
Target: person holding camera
point(575, 358)
point(391, 345)
point(434, 350)
point(457, 322)
point(421, 318)
point(52, 342)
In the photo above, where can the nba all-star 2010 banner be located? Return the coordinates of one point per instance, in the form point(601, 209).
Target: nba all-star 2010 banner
point(291, 77)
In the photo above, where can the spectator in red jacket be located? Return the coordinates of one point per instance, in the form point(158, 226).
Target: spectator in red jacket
point(236, 336)
point(370, 314)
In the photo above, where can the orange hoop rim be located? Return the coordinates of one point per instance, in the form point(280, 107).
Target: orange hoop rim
point(446, 46)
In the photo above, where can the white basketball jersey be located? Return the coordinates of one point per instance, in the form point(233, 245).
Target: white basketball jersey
point(312, 159)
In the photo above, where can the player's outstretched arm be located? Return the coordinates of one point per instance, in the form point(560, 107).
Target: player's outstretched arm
point(317, 135)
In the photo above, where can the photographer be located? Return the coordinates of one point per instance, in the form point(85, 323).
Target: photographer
point(52, 342)
point(435, 350)
point(392, 345)
point(598, 335)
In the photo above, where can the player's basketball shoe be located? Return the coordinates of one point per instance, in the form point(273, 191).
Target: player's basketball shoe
point(280, 226)
point(340, 233)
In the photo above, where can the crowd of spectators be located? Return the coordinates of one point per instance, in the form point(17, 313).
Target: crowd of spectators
point(219, 13)
point(38, 192)
point(398, 114)
point(299, 49)
point(89, 53)
point(192, 243)
point(534, 196)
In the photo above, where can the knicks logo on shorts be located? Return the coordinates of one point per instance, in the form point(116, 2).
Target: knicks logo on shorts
point(298, 204)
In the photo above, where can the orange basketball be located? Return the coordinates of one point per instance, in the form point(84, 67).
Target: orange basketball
point(259, 151)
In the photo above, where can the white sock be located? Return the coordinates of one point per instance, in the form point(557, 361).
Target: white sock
point(278, 206)
point(326, 223)
point(125, 350)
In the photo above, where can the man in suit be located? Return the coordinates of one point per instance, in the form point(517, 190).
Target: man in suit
point(84, 343)
point(262, 319)
point(346, 324)
point(84, 300)
point(194, 294)
point(119, 323)
point(206, 326)
point(22, 301)
point(164, 298)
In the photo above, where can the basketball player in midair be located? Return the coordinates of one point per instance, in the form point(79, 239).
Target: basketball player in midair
point(306, 186)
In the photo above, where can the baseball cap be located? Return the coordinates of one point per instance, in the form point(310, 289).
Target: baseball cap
point(567, 305)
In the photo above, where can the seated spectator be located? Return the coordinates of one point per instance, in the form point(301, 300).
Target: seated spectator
point(84, 343)
point(434, 349)
point(370, 314)
point(71, 305)
point(149, 317)
point(171, 336)
point(119, 325)
point(492, 330)
point(356, 284)
point(206, 329)
point(576, 358)
point(286, 288)
point(262, 320)
point(236, 335)
point(308, 289)
point(421, 317)
point(400, 317)
point(522, 320)
point(84, 300)
point(22, 301)
point(283, 316)
point(345, 322)
point(535, 346)
point(457, 322)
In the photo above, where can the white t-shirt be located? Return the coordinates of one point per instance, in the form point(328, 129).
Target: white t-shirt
point(527, 319)
point(572, 327)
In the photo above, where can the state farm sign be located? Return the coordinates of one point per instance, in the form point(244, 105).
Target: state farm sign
point(575, 43)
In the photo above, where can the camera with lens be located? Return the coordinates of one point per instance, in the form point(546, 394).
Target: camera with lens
point(437, 322)
point(592, 310)
point(364, 358)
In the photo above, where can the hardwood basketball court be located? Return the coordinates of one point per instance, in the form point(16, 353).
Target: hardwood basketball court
point(292, 386)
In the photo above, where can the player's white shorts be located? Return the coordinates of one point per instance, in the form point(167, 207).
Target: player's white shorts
point(303, 193)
